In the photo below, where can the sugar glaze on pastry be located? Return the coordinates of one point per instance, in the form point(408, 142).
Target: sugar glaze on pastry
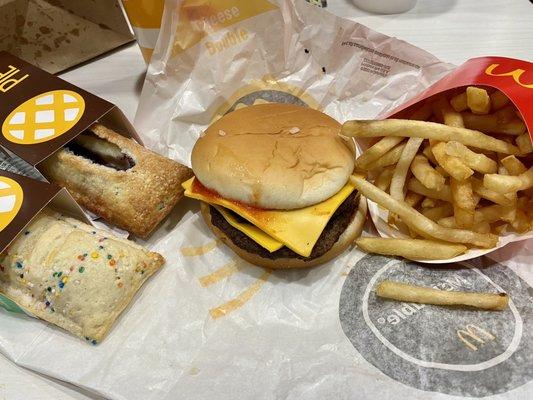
point(118, 179)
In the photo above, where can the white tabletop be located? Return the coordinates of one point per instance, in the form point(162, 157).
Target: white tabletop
point(453, 30)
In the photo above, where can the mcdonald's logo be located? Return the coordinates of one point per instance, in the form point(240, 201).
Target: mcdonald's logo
point(515, 74)
point(476, 335)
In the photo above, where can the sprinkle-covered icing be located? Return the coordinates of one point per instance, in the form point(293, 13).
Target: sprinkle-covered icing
point(74, 280)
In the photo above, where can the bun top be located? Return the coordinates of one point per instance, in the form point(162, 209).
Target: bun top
point(274, 156)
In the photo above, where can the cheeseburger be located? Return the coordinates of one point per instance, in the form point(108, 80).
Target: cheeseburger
point(273, 180)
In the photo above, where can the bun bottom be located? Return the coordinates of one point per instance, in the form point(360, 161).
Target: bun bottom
point(352, 232)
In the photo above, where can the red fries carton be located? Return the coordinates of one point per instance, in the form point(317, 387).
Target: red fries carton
point(513, 78)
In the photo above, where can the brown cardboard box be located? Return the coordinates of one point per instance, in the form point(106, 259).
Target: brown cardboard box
point(58, 34)
point(40, 112)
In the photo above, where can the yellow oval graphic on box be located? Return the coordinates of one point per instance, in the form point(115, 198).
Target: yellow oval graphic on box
point(44, 117)
point(11, 196)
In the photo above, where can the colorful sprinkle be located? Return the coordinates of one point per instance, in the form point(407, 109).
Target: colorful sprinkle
point(120, 284)
point(109, 256)
point(49, 289)
point(27, 232)
point(65, 279)
point(47, 304)
point(101, 247)
point(81, 269)
point(61, 285)
point(95, 254)
point(93, 342)
point(18, 264)
point(112, 263)
point(93, 232)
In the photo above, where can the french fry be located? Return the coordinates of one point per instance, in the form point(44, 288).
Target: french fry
point(463, 202)
point(429, 203)
point(480, 227)
point(418, 294)
point(463, 218)
point(416, 186)
point(426, 130)
point(489, 124)
point(437, 213)
point(513, 165)
point(524, 143)
point(419, 222)
point(463, 194)
point(454, 166)
point(491, 195)
point(426, 174)
point(389, 158)
point(429, 154)
point(441, 171)
point(499, 228)
point(402, 168)
point(377, 150)
point(449, 116)
point(495, 212)
point(508, 183)
point(506, 114)
point(413, 249)
point(521, 223)
point(359, 219)
point(459, 102)
point(478, 100)
point(498, 100)
point(384, 178)
point(412, 198)
point(475, 161)
point(502, 170)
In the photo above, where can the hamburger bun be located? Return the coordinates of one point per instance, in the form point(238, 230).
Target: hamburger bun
point(274, 156)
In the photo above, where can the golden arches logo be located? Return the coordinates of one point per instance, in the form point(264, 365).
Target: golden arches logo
point(224, 272)
point(11, 196)
point(515, 74)
point(44, 117)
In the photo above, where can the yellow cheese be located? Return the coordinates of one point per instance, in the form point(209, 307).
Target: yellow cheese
point(297, 229)
point(252, 231)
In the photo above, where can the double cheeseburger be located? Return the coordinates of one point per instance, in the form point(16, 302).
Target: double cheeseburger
point(274, 184)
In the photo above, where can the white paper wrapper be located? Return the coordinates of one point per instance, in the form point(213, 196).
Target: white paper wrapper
point(210, 327)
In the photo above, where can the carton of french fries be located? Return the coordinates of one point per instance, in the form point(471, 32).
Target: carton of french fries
point(449, 175)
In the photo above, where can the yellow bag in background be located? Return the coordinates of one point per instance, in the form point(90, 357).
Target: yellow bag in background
point(145, 18)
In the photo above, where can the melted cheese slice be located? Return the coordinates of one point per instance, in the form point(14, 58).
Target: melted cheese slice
point(252, 231)
point(297, 229)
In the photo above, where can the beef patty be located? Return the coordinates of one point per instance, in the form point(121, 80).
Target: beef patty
point(331, 233)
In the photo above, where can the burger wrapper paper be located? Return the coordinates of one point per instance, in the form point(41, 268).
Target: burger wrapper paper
point(209, 326)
